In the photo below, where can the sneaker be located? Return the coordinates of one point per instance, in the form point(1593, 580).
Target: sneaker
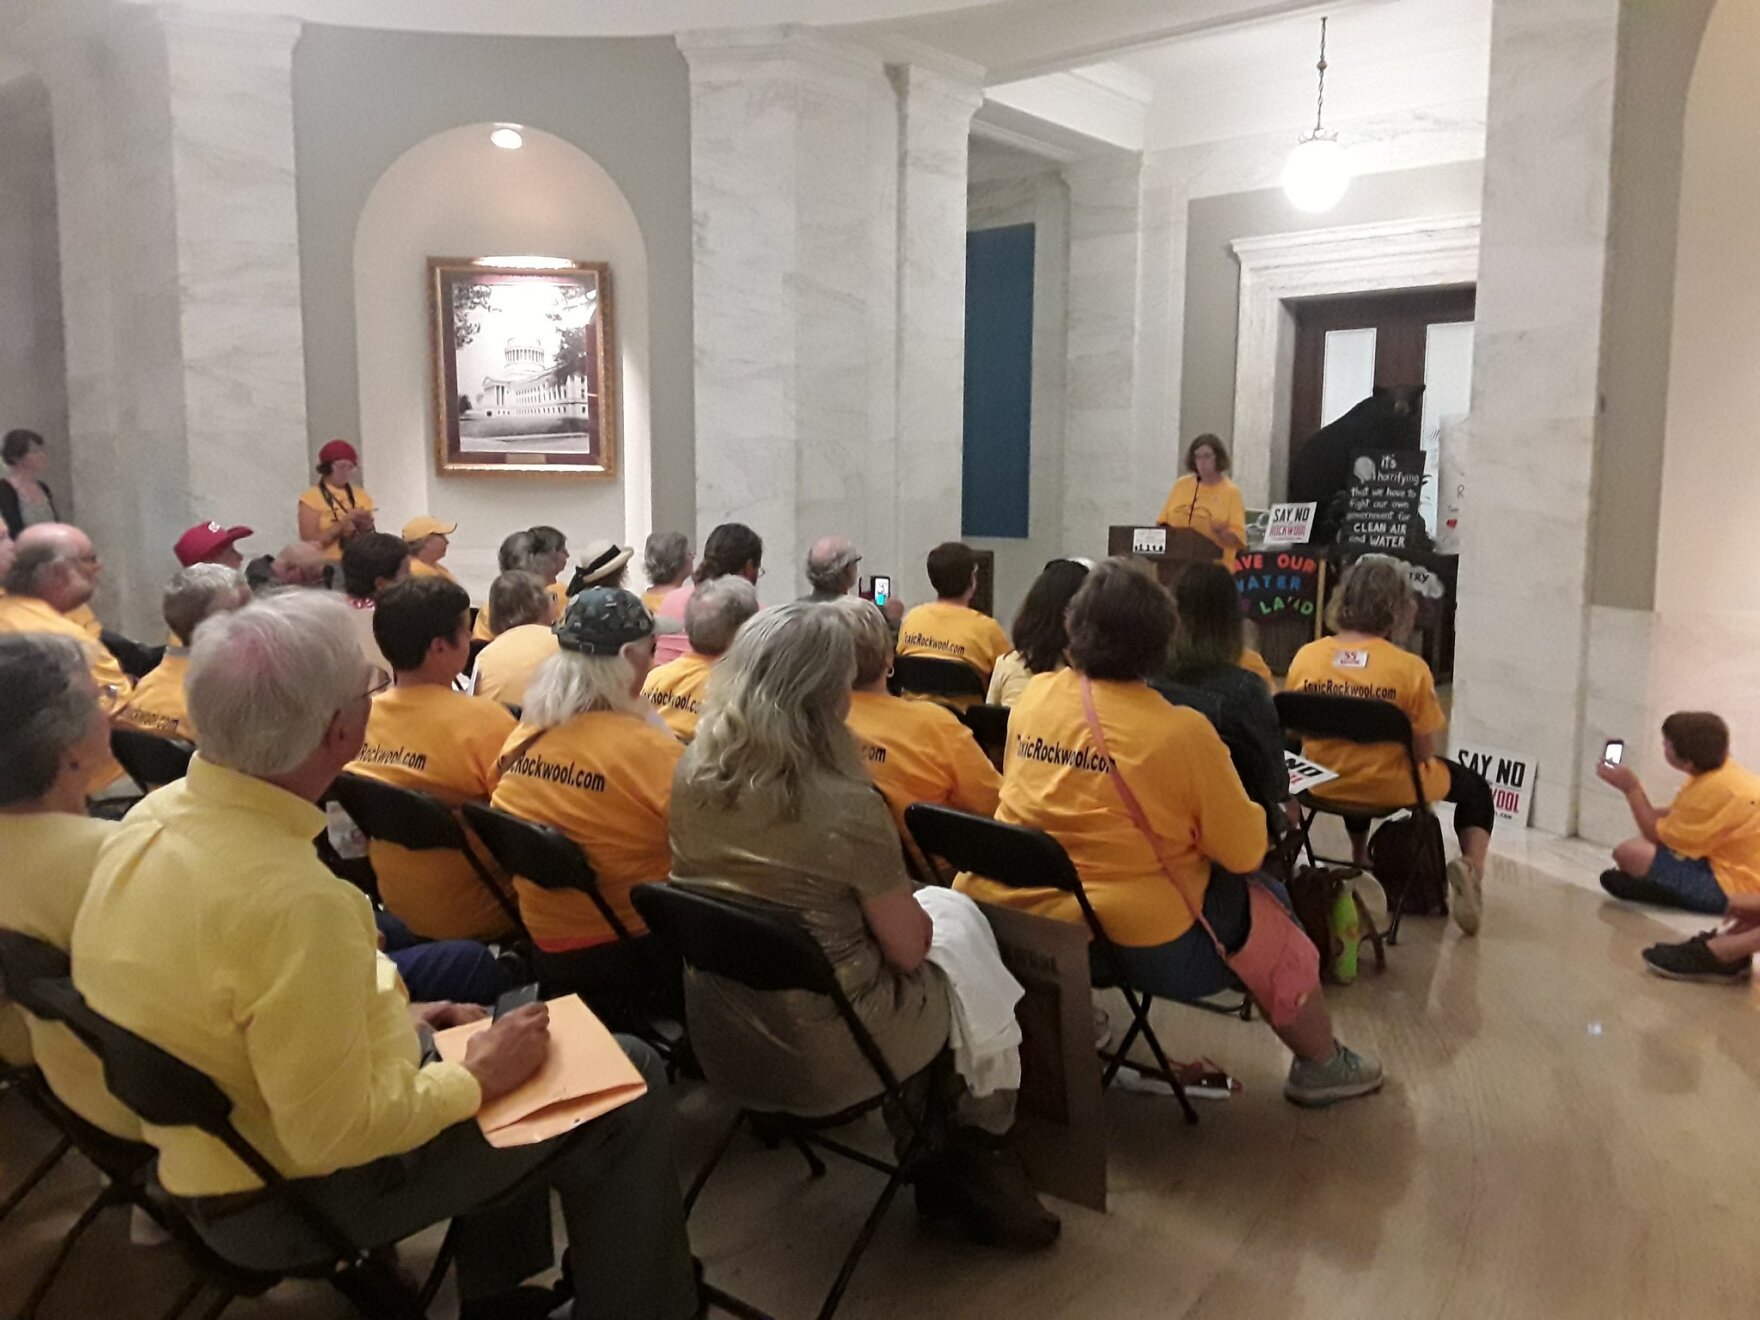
point(1466, 896)
point(1693, 960)
point(1373, 898)
point(1345, 1076)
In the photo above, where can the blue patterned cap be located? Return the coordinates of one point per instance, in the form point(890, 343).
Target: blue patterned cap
point(602, 621)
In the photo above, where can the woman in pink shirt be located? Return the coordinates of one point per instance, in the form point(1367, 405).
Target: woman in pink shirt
point(731, 548)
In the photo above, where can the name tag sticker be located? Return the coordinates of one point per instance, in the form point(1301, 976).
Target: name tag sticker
point(1350, 660)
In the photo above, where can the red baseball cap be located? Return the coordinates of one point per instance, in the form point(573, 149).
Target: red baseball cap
point(338, 449)
point(205, 540)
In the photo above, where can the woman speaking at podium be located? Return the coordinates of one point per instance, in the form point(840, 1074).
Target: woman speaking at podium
point(1206, 501)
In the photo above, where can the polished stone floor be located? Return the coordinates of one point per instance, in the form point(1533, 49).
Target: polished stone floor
point(1562, 1136)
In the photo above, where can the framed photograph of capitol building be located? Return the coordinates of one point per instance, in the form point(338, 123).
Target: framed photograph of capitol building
point(524, 374)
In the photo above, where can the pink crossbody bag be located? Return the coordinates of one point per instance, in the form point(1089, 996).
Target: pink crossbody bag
point(1279, 965)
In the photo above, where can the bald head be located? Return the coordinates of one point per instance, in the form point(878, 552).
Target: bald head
point(56, 563)
point(300, 564)
point(831, 564)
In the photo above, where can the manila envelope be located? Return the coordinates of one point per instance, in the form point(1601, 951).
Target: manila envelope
point(585, 1074)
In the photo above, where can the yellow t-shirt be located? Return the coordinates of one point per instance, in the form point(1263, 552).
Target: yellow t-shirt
point(1206, 509)
point(506, 665)
point(86, 618)
point(1716, 816)
point(1053, 780)
point(212, 929)
point(480, 630)
point(604, 779)
point(157, 704)
point(421, 568)
point(332, 510)
point(1008, 680)
point(1254, 663)
point(916, 751)
point(50, 857)
point(652, 597)
point(954, 632)
point(447, 744)
point(1375, 774)
point(676, 690)
point(25, 614)
point(559, 594)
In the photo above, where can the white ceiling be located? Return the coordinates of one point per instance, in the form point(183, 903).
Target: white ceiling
point(1259, 77)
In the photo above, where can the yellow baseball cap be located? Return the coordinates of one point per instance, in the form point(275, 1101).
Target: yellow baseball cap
point(417, 528)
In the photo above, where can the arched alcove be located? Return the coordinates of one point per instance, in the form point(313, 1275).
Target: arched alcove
point(457, 195)
point(1711, 467)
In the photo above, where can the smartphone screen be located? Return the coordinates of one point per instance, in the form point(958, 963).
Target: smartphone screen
point(1614, 752)
point(518, 997)
point(882, 591)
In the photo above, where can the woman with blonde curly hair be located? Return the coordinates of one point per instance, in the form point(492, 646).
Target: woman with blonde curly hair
point(771, 804)
point(1371, 615)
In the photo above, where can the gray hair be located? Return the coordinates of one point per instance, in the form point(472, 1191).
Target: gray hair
point(199, 591)
point(571, 683)
point(517, 597)
point(31, 565)
point(47, 702)
point(716, 611)
point(265, 681)
point(773, 718)
point(663, 557)
point(518, 551)
point(872, 638)
point(828, 560)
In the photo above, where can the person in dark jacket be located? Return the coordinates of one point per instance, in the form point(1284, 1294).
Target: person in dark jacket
point(24, 496)
point(1204, 672)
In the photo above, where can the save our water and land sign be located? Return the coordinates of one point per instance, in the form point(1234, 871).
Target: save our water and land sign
point(1511, 777)
point(1383, 503)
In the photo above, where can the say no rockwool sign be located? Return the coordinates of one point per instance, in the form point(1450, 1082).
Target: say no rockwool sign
point(1511, 778)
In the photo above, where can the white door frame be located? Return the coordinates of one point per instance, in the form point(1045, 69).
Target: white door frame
point(1320, 263)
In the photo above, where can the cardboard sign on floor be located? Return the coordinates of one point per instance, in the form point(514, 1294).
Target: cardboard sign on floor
point(1062, 1127)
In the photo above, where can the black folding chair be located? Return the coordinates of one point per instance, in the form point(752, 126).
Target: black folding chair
point(765, 950)
point(1365, 722)
point(989, 725)
point(150, 760)
point(944, 680)
point(166, 1092)
point(30, 970)
point(1023, 858)
point(136, 659)
point(418, 821)
point(477, 645)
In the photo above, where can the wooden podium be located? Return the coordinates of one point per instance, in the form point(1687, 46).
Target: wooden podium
point(1171, 550)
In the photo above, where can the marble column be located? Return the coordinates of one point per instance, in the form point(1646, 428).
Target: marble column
point(180, 280)
point(792, 147)
point(935, 111)
point(1100, 486)
point(1523, 622)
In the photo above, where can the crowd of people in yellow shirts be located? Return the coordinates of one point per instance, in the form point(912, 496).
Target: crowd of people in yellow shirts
point(683, 735)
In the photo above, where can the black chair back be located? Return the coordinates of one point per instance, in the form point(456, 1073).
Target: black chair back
point(1012, 855)
point(758, 946)
point(25, 964)
point(931, 677)
point(1349, 719)
point(404, 816)
point(477, 645)
point(149, 759)
point(989, 725)
point(541, 854)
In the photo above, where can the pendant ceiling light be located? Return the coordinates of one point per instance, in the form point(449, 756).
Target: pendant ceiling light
point(1317, 174)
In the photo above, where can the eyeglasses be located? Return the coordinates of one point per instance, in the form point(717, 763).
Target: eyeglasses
point(380, 681)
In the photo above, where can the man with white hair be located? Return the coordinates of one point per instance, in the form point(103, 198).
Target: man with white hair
point(713, 616)
point(212, 930)
point(54, 573)
point(157, 704)
point(832, 569)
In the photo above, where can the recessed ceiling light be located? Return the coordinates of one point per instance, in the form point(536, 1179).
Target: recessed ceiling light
point(507, 137)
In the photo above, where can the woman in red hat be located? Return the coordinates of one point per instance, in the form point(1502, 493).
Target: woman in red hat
point(335, 510)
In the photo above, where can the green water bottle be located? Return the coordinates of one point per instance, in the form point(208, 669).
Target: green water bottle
point(1344, 926)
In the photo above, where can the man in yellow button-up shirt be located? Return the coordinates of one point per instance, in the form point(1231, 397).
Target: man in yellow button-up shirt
point(212, 930)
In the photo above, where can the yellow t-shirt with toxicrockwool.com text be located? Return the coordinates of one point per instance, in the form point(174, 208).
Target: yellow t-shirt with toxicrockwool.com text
point(953, 632)
point(441, 742)
point(917, 752)
point(676, 690)
point(1375, 774)
point(1055, 779)
point(157, 704)
point(604, 779)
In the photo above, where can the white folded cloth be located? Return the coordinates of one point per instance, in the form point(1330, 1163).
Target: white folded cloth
point(985, 1037)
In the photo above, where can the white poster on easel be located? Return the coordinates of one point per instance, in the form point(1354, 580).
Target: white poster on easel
point(1290, 524)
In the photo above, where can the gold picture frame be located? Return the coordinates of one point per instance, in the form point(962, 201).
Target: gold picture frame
point(525, 367)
